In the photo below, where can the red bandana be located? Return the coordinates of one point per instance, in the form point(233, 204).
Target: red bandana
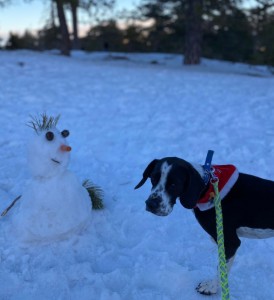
point(227, 175)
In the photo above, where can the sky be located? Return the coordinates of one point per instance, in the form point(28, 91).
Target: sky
point(31, 15)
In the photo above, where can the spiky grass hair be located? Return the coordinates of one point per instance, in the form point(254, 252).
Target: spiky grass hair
point(43, 122)
point(96, 194)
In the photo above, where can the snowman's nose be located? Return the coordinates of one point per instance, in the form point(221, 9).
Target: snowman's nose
point(65, 148)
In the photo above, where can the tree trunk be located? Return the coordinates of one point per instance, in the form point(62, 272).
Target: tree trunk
point(74, 5)
point(65, 41)
point(193, 38)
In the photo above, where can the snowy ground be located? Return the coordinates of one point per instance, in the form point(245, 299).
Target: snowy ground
point(122, 113)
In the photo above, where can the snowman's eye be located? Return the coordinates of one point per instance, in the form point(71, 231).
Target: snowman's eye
point(65, 133)
point(49, 136)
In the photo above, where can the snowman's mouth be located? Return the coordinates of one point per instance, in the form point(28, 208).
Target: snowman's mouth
point(56, 161)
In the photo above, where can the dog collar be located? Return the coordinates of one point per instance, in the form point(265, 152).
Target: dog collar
point(207, 167)
point(227, 176)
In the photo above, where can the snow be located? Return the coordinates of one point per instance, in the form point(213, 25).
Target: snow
point(54, 205)
point(122, 112)
point(45, 158)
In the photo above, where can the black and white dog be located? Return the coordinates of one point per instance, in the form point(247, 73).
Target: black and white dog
point(247, 202)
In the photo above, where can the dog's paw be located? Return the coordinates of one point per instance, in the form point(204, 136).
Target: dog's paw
point(207, 287)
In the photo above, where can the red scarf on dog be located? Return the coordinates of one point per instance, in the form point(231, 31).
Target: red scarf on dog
point(227, 175)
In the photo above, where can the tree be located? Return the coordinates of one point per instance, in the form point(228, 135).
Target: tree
point(227, 35)
point(177, 24)
point(104, 35)
point(262, 21)
point(198, 14)
point(74, 4)
point(167, 31)
point(49, 37)
point(26, 41)
point(13, 42)
point(184, 23)
point(88, 6)
point(134, 39)
point(65, 44)
point(193, 38)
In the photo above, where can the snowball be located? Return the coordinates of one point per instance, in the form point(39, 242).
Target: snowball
point(45, 158)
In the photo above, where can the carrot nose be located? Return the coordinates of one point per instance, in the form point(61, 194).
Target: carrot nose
point(65, 148)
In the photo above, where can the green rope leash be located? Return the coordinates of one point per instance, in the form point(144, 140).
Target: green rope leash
point(220, 242)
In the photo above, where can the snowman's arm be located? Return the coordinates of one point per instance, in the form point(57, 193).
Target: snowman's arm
point(10, 206)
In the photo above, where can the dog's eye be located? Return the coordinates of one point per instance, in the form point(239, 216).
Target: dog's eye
point(49, 135)
point(172, 186)
point(153, 181)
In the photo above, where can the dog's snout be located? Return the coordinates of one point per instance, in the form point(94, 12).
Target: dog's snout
point(152, 203)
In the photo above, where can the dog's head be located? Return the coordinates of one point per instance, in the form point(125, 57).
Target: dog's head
point(171, 178)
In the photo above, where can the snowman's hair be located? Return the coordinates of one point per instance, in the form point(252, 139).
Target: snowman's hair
point(43, 122)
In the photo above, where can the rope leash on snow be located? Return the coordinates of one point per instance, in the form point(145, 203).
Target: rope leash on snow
point(219, 227)
point(220, 242)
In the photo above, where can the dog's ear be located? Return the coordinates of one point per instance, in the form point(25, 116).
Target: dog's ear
point(193, 189)
point(147, 173)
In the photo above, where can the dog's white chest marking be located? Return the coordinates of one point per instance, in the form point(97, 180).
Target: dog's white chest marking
point(255, 233)
point(160, 189)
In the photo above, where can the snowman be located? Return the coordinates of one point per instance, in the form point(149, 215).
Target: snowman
point(54, 204)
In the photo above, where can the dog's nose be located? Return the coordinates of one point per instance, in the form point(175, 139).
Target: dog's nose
point(152, 203)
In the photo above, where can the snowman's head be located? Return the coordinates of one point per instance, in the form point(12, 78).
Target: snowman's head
point(48, 152)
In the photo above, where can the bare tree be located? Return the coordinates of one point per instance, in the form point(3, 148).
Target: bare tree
point(87, 5)
point(65, 44)
point(74, 4)
point(193, 26)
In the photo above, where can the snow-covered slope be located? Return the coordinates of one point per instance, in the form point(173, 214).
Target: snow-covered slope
point(122, 113)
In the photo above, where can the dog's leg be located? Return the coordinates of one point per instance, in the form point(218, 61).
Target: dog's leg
point(211, 287)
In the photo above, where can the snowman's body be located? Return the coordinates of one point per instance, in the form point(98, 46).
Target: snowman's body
point(54, 203)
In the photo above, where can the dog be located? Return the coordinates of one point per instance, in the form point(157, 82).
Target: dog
point(247, 202)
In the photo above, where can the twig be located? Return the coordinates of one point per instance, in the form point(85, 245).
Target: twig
point(10, 206)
